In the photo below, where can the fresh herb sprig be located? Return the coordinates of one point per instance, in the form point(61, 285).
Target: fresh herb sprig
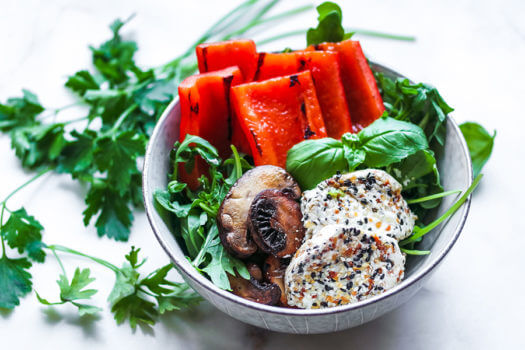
point(384, 142)
point(140, 300)
point(103, 147)
point(196, 211)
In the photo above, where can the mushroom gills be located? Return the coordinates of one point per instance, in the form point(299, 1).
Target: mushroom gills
point(275, 223)
point(232, 219)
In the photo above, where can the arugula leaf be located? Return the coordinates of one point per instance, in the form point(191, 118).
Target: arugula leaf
point(222, 263)
point(382, 143)
point(420, 104)
point(480, 144)
point(24, 233)
point(329, 28)
point(15, 281)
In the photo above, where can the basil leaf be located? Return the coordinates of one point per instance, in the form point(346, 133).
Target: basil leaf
point(353, 155)
point(329, 28)
point(388, 141)
point(313, 161)
point(480, 144)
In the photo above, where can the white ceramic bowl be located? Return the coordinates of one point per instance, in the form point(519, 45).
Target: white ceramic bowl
point(456, 173)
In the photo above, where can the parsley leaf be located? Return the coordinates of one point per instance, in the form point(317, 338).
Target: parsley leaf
point(24, 233)
point(19, 111)
point(15, 281)
point(82, 81)
point(75, 290)
point(140, 301)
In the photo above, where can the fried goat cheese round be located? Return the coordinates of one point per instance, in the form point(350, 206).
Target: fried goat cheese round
point(342, 265)
point(369, 199)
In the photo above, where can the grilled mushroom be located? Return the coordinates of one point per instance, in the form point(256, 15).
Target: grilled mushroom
point(233, 212)
point(274, 270)
point(275, 223)
point(255, 289)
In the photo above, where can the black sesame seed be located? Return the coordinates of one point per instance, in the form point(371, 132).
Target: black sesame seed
point(328, 288)
point(324, 304)
point(349, 285)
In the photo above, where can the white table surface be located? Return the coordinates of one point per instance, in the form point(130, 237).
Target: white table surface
point(472, 50)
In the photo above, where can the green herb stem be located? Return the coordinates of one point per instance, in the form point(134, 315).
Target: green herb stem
point(1, 226)
point(35, 177)
point(431, 197)
point(382, 35)
point(102, 262)
point(260, 21)
point(59, 261)
point(424, 230)
point(123, 117)
point(238, 166)
point(415, 252)
point(280, 36)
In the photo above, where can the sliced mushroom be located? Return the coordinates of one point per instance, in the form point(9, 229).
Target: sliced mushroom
point(255, 289)
point(274, 270)
point(275, 223)
point(233, 212)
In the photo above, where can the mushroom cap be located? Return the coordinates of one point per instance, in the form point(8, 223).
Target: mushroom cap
point(233, 213)
point(255, 289)
point(275, 223)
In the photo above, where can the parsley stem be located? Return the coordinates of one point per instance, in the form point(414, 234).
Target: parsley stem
point(59, 261)
point(123, 117)
point(36, 176)
point(415, 251)
point(102, 262)
point(1, 226)
point(431, 197)
point(424, 230)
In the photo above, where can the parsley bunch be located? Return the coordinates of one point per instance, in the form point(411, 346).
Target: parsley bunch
point(102, 149)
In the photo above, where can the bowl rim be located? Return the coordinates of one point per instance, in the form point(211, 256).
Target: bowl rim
point(193, 274)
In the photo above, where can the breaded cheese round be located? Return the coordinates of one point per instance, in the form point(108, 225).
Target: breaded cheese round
point(369, 199)
point(342, 265)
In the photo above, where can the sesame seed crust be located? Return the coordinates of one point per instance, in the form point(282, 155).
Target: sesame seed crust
point(369, 199)
point(342, 265)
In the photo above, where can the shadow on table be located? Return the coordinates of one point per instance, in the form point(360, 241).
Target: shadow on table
point(207, 328)
point(88, 323)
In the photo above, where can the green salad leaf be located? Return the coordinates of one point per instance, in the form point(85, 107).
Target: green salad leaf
point(196, 211)
point(15, 281)
point(71, 292)
point(420, 104)
point(480, 144)
point(384, 142)
point(329, 28)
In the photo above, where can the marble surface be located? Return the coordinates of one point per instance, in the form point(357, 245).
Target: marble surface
point(473, 51)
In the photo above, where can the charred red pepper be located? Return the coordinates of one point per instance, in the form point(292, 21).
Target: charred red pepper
point(364, 101)
point(224, 54)
point(325, 69)
point(276, 114)
point(205, 112)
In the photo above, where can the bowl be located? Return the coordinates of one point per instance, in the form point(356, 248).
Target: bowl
point(456, 172)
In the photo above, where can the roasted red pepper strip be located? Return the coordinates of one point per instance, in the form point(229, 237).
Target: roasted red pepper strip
point(205, 112)
point(362, 94)
point(325, 69)
point(224, 54)
point(276, 114)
